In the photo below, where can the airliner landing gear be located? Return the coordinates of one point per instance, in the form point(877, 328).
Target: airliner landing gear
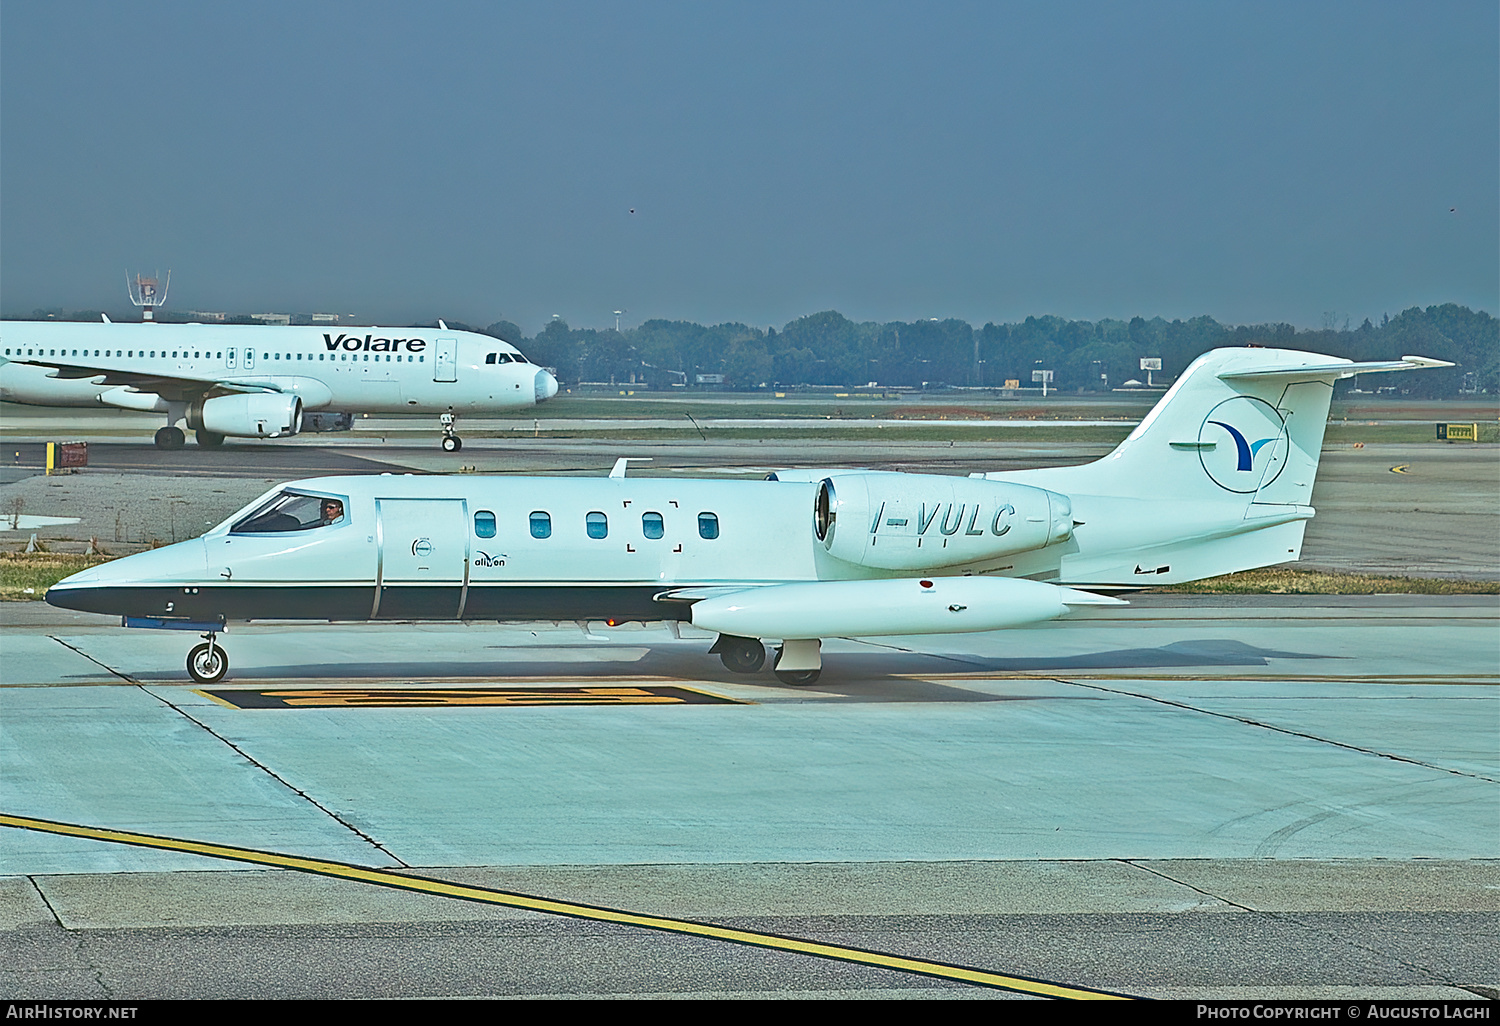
point(207, 663)
point(740, 655)
point(208, 439)
point(451, 442)
point(170, 437)
point(799, 662)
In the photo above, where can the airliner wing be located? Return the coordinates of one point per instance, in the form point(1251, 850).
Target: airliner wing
point(178, 387)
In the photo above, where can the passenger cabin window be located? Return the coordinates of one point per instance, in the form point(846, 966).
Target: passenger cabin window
point(541, 525)
point(597, 525)
point(708, 525)
point(652, 526)
point(484, 524)
point(291, 511)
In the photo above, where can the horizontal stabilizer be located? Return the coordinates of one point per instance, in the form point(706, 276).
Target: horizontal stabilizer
point(1340, 369)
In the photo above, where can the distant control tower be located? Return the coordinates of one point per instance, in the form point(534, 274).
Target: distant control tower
point(144, 292)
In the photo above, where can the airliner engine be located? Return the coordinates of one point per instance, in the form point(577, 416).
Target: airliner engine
point(856, 609)
point(254, 415)
point(920, 522)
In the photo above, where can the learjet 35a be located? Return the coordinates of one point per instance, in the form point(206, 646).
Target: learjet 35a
point(265, 381)
point(1217, 478)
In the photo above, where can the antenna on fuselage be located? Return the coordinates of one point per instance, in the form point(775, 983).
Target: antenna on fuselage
point(145, 294)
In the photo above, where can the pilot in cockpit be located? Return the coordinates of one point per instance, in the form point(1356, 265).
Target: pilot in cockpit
point(333, 510)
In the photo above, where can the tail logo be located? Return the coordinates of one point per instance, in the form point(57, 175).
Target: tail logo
point(1250, 444)
point(1244, 450)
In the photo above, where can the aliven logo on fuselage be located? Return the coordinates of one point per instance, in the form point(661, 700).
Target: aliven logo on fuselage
point(370, 344)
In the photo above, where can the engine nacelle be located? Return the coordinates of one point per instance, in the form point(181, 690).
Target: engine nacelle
point(920, 522)
point(251, 415)
point(327, 421)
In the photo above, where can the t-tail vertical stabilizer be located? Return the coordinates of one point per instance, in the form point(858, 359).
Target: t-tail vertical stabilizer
point(1230, 453)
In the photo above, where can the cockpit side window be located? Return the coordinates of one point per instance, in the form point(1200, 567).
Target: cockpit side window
point(497, 358)
point(291, 511)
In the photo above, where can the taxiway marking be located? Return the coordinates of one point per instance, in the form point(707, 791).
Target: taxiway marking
point(1400, 468)
point(489, 896)
point(399, 698)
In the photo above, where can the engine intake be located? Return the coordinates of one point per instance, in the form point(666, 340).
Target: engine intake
point(251, 415)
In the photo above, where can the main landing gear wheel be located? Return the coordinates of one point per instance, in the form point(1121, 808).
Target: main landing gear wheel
point(170, 438)
point(742, 655)
point(803, 652)
point(207, 663)
point(452, 443)
point(208, 439)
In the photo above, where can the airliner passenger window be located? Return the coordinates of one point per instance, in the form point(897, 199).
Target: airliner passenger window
point(597, 525)
point(708, 525)
point(290, 511)
point(484, 524)
point(651, 525)
point(541, 525)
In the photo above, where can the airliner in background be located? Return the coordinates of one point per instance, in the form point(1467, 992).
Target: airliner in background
point(265, 381)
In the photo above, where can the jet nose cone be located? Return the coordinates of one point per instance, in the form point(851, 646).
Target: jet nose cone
point(546, 386)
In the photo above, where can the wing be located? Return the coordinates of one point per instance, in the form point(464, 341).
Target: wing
point(172, 387)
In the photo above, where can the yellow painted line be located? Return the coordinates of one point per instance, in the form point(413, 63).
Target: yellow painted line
point(1400, 468)
point(429, 697)
point(488, 896)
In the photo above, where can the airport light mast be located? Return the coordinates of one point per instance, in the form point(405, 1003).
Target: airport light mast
point(144, 294)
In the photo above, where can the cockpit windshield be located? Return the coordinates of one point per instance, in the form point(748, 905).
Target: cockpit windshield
point(292, 511)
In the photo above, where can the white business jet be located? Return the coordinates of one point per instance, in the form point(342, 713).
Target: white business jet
point(1217, 478)
point(265, 381)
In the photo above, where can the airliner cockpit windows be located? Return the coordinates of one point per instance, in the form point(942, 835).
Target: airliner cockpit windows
point(498, 358)
point(484, 524)
point(597, 525)
point(291, 511)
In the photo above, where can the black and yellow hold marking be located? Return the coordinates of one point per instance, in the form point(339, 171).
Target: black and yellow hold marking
point(401, 698)
point(489, 896)
point(1400, 468)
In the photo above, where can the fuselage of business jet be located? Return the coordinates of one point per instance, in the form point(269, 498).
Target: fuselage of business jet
point(362, 370)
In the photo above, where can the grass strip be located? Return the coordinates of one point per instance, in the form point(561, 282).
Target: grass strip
point(1291, 581)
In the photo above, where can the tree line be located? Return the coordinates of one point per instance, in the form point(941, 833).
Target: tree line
point(1084, 356)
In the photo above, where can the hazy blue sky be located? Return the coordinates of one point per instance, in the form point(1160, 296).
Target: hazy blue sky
point(1250, 161)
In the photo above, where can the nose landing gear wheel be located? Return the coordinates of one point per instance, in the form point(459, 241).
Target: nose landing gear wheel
point(207, 663)
point(742, 655)
point(170, 438)
point(452, 443)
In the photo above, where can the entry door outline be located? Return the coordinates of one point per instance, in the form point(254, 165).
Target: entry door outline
point(381, 534)
point(445, 359)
